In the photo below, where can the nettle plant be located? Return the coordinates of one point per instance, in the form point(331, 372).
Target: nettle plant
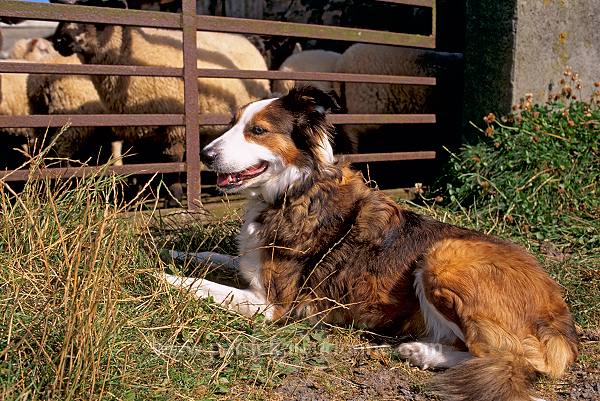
point(537, 169)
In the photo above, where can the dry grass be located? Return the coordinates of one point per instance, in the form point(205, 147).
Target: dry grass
point(83, 316)
point(70, 266)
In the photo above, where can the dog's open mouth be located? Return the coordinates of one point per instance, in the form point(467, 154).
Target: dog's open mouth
point(235, 179)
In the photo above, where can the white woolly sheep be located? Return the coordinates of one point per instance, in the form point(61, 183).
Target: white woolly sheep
point(70, 94)
point(386, 60)
point(34, 49)
point(369, 98)
point(13, 103)
point(108, 44)
point(308, 60)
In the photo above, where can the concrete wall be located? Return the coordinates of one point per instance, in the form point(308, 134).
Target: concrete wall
point(514, 47)
point(552, 34)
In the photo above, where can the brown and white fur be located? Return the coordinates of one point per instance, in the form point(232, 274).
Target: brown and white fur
point(318, 243)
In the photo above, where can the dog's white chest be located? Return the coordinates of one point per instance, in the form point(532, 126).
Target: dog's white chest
point(250, 245)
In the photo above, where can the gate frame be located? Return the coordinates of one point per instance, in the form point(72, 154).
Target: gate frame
point(189, 23)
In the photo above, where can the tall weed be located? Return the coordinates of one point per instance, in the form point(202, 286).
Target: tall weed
point(538, 170)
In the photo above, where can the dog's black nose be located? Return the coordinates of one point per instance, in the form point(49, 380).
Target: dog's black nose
point(208, 156)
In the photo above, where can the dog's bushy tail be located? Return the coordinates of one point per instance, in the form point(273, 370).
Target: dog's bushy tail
point(509, 373)
point(499, 377)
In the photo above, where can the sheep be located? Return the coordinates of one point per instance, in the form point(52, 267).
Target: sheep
point(385, 60)
point(308, 60)
point(14, 103)
point(108, 44)
point(34, 49)
point(67, 94)
point(53, 94)
point(367, 98)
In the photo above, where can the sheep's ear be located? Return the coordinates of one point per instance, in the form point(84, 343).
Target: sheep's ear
point(315, 100)
point(335, 99)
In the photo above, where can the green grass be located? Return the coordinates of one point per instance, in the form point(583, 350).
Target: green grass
point(538, 171)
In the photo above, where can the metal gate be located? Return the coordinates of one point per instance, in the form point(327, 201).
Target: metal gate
point(189, 22)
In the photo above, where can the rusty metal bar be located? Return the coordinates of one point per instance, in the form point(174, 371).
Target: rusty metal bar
point(434, 21)
point(382, 118)
point(91, 120)
point(66, 172)
point(276, 28)
point(103, 15)
point(225, 119)
point(59, 12)
point(192, 135)
point(123, 120)
point(97, 69)
point(8, 66)
point(316, 76)
point(381, 157)
point(417, 3)
point(152, 168)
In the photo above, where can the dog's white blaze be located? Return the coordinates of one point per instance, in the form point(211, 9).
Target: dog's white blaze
point(235, 152)
point(438, 327)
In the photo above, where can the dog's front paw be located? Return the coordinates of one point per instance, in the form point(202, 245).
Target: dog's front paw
point(419, 354)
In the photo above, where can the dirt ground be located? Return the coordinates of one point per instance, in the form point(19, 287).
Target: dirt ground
point(379, 376)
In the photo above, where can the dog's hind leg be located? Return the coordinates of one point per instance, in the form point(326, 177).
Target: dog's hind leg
point(247, 302)
point(440, 330)
point(432, 355)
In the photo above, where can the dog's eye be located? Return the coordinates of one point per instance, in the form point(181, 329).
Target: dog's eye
point(256, 130)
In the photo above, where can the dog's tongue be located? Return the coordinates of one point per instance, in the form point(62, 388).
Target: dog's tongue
point(225, 179)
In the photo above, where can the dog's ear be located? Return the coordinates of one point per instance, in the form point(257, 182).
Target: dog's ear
point(310, 100)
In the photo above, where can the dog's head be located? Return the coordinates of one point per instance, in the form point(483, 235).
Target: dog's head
point(274, 143)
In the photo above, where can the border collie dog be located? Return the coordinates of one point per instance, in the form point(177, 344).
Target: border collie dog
point(317, 243)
